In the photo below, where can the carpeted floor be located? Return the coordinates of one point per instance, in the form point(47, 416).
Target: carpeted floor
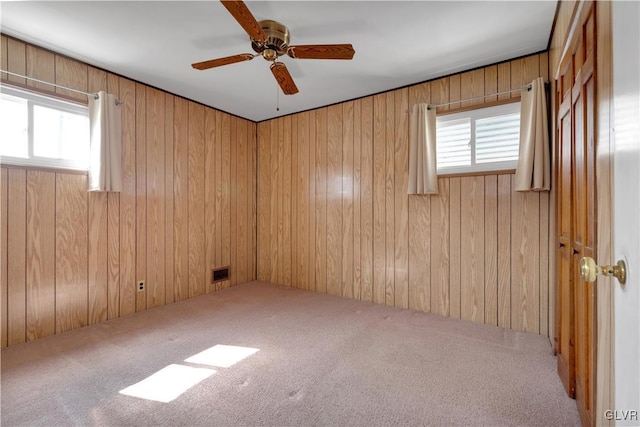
point(301, 358)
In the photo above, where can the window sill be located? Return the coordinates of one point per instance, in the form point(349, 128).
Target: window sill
point(477, 173)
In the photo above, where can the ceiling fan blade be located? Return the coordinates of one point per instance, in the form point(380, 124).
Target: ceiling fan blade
point(322, 51)
point(284, 79)
point(245, 18)
point(205, 65)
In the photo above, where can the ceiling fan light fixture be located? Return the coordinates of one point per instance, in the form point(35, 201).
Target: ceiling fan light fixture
point(277, 38)
point(270, 54)
point(270, 39)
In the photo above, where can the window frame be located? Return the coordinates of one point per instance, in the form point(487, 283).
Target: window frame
point(34, 99)
point(473, 115)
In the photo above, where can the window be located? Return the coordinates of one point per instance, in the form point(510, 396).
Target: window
point(40, 131)
point(486, 139)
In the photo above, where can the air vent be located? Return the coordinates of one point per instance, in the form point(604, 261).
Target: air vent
point(219, 274)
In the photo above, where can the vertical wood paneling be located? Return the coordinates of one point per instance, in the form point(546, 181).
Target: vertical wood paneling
point(128, 274)
point(531, 69)
point(491, 250)
point(226, 182)
point(195, 184)
point(252, 199)
point(472, 86)
point(98, 231)
point(168, 200)
point(97, 80)
point(440, 93)
point(401, 185)
point(275, 230)
point(264, 190)
point(525, 256)
point(303, 200)
point(210, 196)
point(491, 82)
point(544, 264)
point(219, 197)
point(366, 199)
point(455, 90)
point(285, 200)
point(472, 239)
point(454, 248)
point(420, 93)
point(357, 188)
point(295, 243)
point(389, 201)
point(181, 200)
point(439, 250)
point(334, 199)
point(379, 169)
point(156, 195)
point(113, 229)
point(41, 192)
point(244, 214)
point(504, 251)
point(517, 76)
point(141, 195)
point(41, 64)
point(273, 202)
point(233, 201)
point(419, 249)
point(4, 249)
point(72, 74)
point(504, 79)
point(71, 252)
point(321, 200)
point(347, 200)
point(281, 172)
point(16, 60)
point(312, 200)
point(16, 255)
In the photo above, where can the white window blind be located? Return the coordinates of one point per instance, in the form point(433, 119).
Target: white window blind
point(453, 146)
point(479, 140)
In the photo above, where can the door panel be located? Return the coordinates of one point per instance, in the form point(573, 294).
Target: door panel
point(565, 297)
point(576, 215)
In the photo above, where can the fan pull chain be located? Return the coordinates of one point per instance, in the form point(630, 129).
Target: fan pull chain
point(277, 98)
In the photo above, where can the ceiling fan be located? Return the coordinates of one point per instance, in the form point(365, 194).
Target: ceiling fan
point(270, 39)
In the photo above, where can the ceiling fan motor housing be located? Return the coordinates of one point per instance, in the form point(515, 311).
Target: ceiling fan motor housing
point(277, 40)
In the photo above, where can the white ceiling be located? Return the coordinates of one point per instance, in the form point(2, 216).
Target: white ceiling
point(397, 43)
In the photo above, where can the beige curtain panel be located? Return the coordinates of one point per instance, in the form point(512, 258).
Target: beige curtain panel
point(423, 177)
point(105, 171)
point(534, 163)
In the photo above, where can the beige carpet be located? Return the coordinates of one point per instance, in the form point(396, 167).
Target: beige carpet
point(301, 358)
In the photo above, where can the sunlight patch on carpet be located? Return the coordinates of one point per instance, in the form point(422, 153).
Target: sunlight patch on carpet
point(222, 356)
point(168, 383)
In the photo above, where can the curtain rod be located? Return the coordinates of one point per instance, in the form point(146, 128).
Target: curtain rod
point(95, 95)
point(504, 92)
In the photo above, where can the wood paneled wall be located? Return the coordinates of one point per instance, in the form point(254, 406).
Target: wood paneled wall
point(334, 215)
point(72, 258)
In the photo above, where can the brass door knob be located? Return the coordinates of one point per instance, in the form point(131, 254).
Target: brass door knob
point(589, 270)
